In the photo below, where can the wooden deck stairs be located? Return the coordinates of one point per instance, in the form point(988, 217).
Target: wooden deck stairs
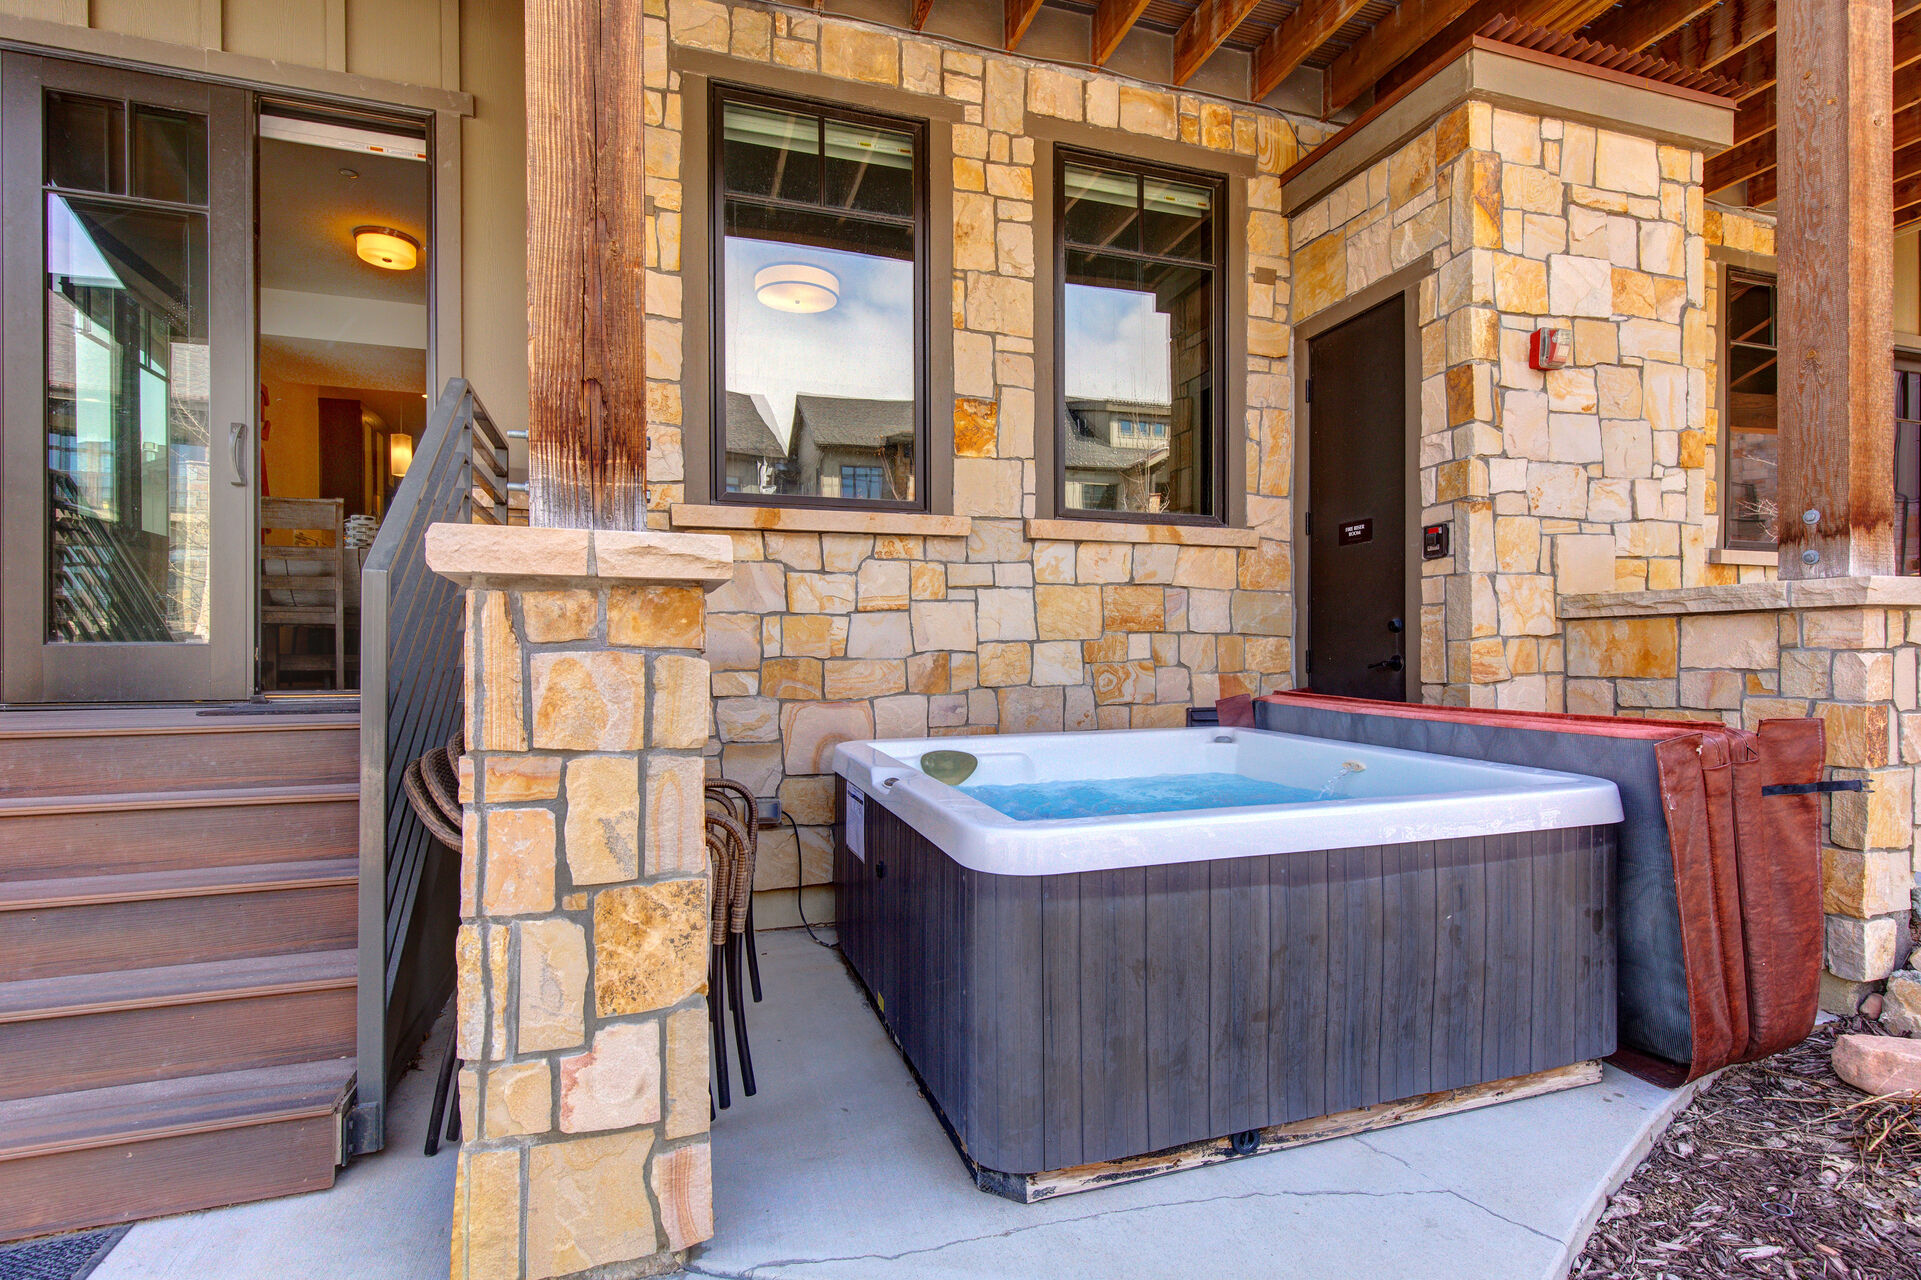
point(177, 959)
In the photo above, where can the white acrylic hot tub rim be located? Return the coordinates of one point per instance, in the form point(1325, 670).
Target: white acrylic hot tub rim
point(1486, 799)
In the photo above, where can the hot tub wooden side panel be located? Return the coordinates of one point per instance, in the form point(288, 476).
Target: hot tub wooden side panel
point(1062, 1020)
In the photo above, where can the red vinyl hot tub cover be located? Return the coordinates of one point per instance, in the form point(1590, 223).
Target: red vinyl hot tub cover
point(1720, 886)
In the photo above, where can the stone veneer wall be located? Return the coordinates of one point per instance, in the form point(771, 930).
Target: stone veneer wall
point(1844, 650)
point(1590, 478)
point(975, 623)
point(583, 945)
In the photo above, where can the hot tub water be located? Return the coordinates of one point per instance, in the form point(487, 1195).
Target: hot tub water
point(1159, 793)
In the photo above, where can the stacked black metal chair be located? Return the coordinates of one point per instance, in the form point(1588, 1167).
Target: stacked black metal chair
point(432, 784)
point(732, 846)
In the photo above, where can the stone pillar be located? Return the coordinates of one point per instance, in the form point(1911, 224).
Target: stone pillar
point(582, 953)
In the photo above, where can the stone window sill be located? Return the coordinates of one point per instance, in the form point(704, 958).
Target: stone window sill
point(1725, 555)
point(1180, 535)
point(818, 520)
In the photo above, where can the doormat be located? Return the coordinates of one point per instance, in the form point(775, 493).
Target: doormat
point(69, 1257)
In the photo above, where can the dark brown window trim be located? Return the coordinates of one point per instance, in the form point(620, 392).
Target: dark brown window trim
point(721, 93)
point(1218, 436)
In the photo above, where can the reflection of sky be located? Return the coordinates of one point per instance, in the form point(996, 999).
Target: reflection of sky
point(1116, 342)
point(1116, 345)
point(71, 251)
point(862, 347)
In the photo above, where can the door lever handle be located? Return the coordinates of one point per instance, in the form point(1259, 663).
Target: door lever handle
point(236, 440)
point(1395, 663)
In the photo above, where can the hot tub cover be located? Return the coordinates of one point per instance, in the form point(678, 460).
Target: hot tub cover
point(1720, 886)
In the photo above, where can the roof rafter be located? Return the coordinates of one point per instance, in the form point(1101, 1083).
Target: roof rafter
point(1555, 15)
point(1719, 34)
point(921, 9)
point(1018, 16)
point(1113, 19)
point(1639, 24)
point(1211, 23)
point(1288, 45)
point(1395, 38)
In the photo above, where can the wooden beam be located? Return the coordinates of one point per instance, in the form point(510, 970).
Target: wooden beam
point(1906, 86)
point(1836, 288)
point(1907, 40)
point(1764, 187)
point(586, 229)
point(1907, 126)
point(1755, 116)
point(1211, 23)
point(1017, 17)
point(921, 9)
point(1113, 19)
point(1739, 163)
point(1752, 67)
point(1639, 24)
point(1565, 16)
point(1718, 34)
point(1300, 34)
point(1395, 38)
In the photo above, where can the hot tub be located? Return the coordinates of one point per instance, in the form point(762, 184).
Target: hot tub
point(1334, 926)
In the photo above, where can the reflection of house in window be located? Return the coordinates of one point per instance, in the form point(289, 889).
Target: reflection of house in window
point(1117, 455)
point(867, 444)
point(756, 459)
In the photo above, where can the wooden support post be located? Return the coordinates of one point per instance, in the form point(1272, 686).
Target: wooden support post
point(586, 234)
point(1836, 288)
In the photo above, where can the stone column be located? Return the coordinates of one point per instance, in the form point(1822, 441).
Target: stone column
point(582, 953)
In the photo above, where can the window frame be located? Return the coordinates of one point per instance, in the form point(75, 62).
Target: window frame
point(721, 93)
point(1218, 436)
point(1724, 446)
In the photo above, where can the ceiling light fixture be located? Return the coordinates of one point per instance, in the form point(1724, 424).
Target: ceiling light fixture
point(385, 247)
point(797, 287)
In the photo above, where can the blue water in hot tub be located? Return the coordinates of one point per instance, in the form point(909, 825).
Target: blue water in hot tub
point(1160, 793)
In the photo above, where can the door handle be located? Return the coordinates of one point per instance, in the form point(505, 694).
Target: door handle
point(1395, 663)
point(236, 440)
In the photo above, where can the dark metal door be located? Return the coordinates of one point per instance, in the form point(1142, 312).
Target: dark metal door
point(128, 435)
point(1357, 507)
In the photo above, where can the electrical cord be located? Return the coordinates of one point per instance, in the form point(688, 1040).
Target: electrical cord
point(800, 882)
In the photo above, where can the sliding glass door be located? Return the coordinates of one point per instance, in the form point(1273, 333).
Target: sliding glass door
point(127, 491)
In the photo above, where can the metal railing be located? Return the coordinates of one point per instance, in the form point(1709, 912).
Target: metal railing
point(411, 622)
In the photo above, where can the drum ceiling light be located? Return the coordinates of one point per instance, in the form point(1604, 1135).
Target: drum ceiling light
point(797, 287)
point(385, 247)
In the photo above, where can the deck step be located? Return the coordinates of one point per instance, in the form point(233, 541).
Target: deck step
point(154, 886)
point(101, 1030)
point(98, 924)
point(114, 1154)
point(48, 754)
point(45, 837)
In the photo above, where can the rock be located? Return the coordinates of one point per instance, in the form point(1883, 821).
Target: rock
point(1871, 1005)
point(1879, 1065)
point(1901, 1008)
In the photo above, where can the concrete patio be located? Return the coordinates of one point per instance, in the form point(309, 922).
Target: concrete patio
point(838, 1169)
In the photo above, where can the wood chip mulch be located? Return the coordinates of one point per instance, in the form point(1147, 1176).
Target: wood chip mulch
point(1779, 1169)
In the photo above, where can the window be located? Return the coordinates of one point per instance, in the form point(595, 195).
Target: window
point(819, 301)
point(1138, 337)
point(860, 482)
point(1748, 495)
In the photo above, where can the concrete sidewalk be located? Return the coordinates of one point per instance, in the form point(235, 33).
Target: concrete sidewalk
point(838, 1170)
